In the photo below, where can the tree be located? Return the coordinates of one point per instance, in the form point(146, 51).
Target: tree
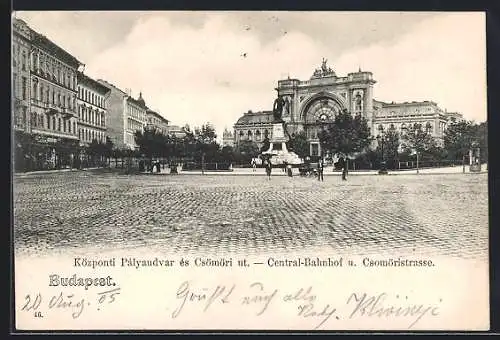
point(347, 134)
point(227, 153)
point(246, 150)
point(152, 143)
point(108, 148)
point(265, 144)
point(417, 138)
point(206, 134)
point(391, 147)
point(458, 138)
point(299, 144)
point(482, 138)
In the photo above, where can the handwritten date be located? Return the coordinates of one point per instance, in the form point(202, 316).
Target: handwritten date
point(72, 303)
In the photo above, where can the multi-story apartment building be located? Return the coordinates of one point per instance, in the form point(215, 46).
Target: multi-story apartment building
point(91, 110)
point(21, 48)
point(155, 121)
point(50, 88)
point(126, 115)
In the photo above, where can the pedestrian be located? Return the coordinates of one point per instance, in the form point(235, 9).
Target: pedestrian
point(254, 164)
point(269, 167)
point(342, 165)
point(289, 170)
point(344, 169)
point(320, 169)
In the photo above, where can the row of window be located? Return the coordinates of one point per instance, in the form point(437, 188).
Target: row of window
point(135, 112)
point(133, 125)
point(20, 92)
point(407, 112)
point(20, 117)
point(88, 135)
point(88, 115)
point(402, 126)
point(63, 74)
point(129, 139)
point(48, 94)
point(249, 133)
point(90, 97)
point(19, 57)
point(51, 123)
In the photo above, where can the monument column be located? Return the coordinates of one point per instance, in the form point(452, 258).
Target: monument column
point(278, 139)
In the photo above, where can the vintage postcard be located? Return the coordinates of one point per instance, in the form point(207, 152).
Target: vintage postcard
point(250, 171)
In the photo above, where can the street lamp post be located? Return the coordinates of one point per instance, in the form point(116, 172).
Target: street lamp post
point(381, 141)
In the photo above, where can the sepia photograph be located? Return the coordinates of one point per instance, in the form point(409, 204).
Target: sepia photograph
point(249, 170)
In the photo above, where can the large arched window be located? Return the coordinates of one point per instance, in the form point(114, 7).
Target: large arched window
point(322, 110)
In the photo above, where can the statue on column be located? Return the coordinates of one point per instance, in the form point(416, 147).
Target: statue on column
point(278, 109)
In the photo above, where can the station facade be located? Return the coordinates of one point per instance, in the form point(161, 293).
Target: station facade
point(310, 104)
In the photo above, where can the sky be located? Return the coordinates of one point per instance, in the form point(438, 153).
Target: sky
point(198, 67)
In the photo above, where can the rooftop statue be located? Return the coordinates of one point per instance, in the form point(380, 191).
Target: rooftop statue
point(323, 65)
point(324, 70)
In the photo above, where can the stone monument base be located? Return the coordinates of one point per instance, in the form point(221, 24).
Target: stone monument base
point(277, 148)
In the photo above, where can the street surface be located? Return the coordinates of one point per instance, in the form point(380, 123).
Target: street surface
point(425, 215)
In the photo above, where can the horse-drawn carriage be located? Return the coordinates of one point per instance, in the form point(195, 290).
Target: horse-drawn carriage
point(308, 170)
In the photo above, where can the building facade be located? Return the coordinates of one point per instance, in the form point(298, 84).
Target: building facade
point(45, 79)
point(155, 121)
point(175, 130)
point(309, 105)
point(400, 115)
point(91, 110)
point(125, 114)
point(227, 138)
point(21, 49)
point(253, 126)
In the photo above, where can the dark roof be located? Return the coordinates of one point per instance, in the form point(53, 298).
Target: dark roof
point(409, 103)
point(49, 46)
point(100, 87)
point(256, 118)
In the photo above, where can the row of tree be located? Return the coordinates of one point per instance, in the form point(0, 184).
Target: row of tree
point(348, 135)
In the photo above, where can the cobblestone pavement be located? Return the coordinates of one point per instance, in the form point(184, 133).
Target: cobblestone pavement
point(432, 214)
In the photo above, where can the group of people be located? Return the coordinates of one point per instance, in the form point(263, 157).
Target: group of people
point(342, 164)
point(320, 169)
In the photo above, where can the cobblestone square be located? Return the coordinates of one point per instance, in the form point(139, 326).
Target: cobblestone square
point(425, 214)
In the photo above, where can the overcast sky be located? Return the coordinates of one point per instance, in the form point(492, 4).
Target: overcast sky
point(196, 67)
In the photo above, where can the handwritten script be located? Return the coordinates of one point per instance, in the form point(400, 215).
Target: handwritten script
point(73, 303)
point(259, 298)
